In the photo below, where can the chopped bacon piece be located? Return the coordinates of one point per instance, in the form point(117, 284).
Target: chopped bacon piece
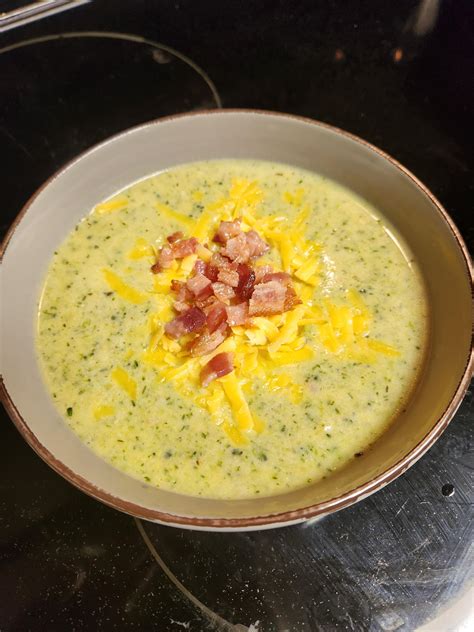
point(175, 237)
point(189, 321)
point(206, 302)
point(261, 271)
point(216, 315)
point(283, 277)
point(164, 260)
point(246, 281)
point(205, 296)
point(206, 342)
point(267, 298)
point(237, 314)
point(212, 301)
point(226, 270)
point(176, 250)
point(237, 249)
point(255, 244)
point(200, 266)
point(177, 286)
point(180, 306)
point(219, 261)
point(184, 247)
point(291, 298)
point(228, 276)
point(211, 272)
point(199, 285)
point(223, 292)
point(220, 365)
point(227, 230)
point(184, 296)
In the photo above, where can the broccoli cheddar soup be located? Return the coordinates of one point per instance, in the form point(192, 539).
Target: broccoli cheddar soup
point(230, 329)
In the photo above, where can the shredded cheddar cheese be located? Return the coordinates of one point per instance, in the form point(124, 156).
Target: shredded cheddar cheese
point(268, 344)
point(116, 204)
point(123, 379)
point(141, 249)
point(100, 412)
point(125, 291)
point(168, 212)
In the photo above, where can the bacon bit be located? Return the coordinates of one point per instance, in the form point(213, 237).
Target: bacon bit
point(184, 247)
point(261, 271)
point(211, 272)
point(205, 295)
point(200, 267)
point(216, 315)
point(220, 365)
point(228, 276)
point(246, 281)
point(237, 249)
point(291, 299)
point(192, 320)
point(226, 270)
point(180, 306)
point(226, 231)
point(237, 314)
point(257, 247)
point(207, 302)
point(206, 342)
point(178, 249)
point(177, 286)
point(199, 285)
point(184, 296)
point(164, 260)
point(282, 277)
point(267, 298)
point(175, 237)
point(219, 261)
point(212, 301)
point(223, 292)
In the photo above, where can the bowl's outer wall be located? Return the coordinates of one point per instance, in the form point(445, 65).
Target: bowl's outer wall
point(113, 165)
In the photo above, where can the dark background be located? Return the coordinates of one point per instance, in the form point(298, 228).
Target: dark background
point(69, 563)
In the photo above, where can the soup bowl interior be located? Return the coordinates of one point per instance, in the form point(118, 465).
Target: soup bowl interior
point(140, 152)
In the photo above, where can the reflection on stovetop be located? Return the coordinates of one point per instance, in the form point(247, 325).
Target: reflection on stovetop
point(73, 90)
point(389, 563)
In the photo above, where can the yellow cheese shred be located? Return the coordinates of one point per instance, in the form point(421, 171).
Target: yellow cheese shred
point(102, 411)
point(346, 328)
point(168, 212)
point(245, 195)
point(141, 249)
point(125, 291)
point(281, 358)
point(127, 383)
point(381, 347)
point(111, 206)
point(237, 401)
point(234, 434)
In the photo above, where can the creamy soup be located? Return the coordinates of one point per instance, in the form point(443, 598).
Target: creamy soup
point(308, 389)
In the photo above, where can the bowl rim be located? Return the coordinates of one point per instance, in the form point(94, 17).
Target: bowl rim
point(285, 517)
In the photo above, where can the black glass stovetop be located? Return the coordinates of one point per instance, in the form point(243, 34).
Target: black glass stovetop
point(399, 74)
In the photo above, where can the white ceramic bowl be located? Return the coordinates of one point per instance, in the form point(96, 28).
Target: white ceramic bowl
point(57, 207)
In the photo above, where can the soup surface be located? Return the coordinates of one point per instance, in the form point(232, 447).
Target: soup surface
point(311, 388)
